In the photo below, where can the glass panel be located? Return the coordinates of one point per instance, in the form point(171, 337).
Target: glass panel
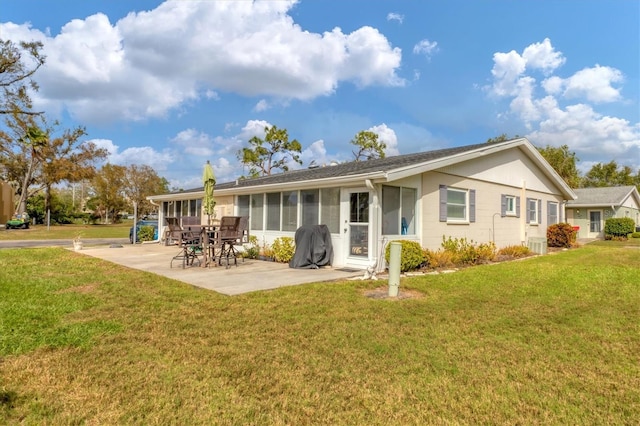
point(310, 210)
point(192, 208)
point(185, 208)
point(456, 212)
point(198, 207)
point(257, 208)
point(407, 222)
point(178, 208)
point(390, 210)
point(273, 211)
point(456, 197)
point(330, 209)
point(533, 211)
point(553, 213)
point(359, 207)
point(511, 205)
point(594, 221)
point(243, 205)
point(290, 211)
point(359, 241)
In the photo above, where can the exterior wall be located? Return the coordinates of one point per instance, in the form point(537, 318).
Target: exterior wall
point(490, 178)
point(6, 202)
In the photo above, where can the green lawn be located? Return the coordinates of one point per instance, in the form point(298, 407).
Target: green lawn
point(53, 232)
point(547, 340)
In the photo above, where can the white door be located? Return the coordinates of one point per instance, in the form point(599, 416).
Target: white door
point(595, 223)
point(356, 227)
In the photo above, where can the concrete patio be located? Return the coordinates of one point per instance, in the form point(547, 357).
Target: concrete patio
point(250, 275)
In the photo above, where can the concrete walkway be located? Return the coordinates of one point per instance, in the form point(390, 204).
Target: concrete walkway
point(250, 275)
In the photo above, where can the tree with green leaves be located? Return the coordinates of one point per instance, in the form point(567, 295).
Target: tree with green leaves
point(368, 145)
point(108, 195)
point(610, 174)
point(18, 64)
point(275, 151)
point(502, 138)
point(140, 182)
point(564, 163)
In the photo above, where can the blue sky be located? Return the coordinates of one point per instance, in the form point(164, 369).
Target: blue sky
point(173, 84)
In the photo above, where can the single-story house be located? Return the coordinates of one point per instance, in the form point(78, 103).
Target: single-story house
point(595, 205)
point(502, 192)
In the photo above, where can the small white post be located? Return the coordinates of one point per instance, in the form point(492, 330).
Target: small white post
point(395, 251)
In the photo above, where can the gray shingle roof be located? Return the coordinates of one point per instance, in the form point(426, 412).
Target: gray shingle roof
point(611, 195)
point(351, 168)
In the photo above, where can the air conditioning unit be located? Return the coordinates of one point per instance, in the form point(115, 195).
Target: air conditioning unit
point(537, 245)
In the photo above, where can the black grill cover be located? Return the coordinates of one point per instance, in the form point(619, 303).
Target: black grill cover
point(313, 247)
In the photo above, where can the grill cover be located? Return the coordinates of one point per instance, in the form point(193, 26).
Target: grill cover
point(313, 247)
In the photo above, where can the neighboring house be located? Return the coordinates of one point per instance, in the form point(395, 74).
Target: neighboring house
point(7, 206)
point(504, 192)
point(595, 205)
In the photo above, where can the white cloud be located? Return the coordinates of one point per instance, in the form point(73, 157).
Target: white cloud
point(543, 56)
point(152, 62)
point(262, 105)
point(392, 16)
point(388, 136)
point(193, 142)
point(426, 48)
point(159, 161)
point(594, 84)
point(552, 119)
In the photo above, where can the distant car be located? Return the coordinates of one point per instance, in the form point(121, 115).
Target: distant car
point(19, 221)
point(140, 224)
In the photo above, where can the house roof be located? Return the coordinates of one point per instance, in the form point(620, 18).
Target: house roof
point(381, 169)
point(603, 196)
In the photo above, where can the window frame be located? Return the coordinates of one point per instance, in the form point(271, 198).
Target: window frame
point(469, 205)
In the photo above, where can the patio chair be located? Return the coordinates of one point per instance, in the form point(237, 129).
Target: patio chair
point(228, 236)
point(173, 231)
point(190, 249)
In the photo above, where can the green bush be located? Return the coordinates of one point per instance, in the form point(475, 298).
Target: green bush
point(619, 226)
point(560, 235)
point(467, 252)
point(283, 249)
point(145, 233)
point(514, 251)
point(438, 259)
point(635, 235)
point(251, 249)
point(411, 257)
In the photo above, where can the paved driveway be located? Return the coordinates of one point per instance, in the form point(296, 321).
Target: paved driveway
point(250, 275)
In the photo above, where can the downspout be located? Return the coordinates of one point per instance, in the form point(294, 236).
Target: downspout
point(523, 213)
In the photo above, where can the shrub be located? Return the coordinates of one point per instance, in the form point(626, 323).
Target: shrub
point(438, 259)
point(145, 233)
point(283, 249)
point(560, 235)
point(466, 252)
point(619, 226)
point(635, 235)
point(251, 249)
point(412, 256)
point(514, 252)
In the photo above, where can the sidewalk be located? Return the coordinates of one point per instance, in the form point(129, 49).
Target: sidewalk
point(250, 275)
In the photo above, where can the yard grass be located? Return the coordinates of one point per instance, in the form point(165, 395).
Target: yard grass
point(553, 339)
point(67, 232)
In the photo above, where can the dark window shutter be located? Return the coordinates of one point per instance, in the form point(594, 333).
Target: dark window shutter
point(503, 205)
point(517, 206)
point(548, 213)
point(472, 205)
point(540, 212)
point(443, 203)
point(528, 210)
